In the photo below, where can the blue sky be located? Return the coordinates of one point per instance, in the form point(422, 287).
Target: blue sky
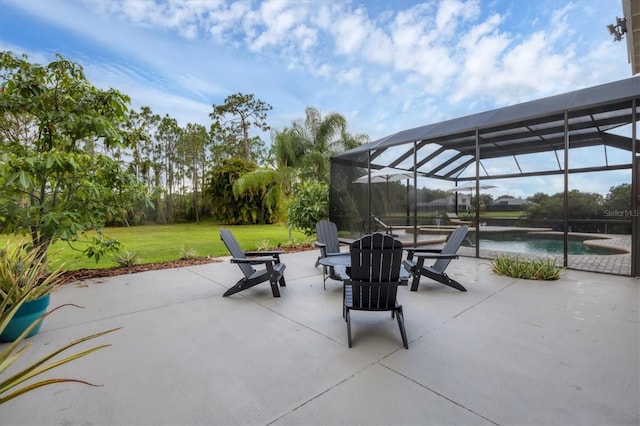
point(385, 65)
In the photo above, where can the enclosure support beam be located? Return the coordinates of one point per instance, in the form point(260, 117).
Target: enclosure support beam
point(635, 193)
point(415, 193)
point(369, 224)
point(565, 202)
point(477, 219)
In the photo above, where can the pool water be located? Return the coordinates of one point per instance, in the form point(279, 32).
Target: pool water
point(537, 245)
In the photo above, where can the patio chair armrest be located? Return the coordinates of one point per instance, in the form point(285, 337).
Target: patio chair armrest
point(254, 260)
point(404, 276)
point(422, 250)
point(263, 253)
point(342, 253)
point(275, 254)
point(344, 241)
point(409, 265)
point(413, 250)
point(437, 256)
point(320, 245)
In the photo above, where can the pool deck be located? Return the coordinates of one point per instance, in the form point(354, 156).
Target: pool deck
point(619, 264)
point(506, 352)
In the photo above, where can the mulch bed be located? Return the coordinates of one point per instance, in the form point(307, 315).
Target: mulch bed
point(87, 274)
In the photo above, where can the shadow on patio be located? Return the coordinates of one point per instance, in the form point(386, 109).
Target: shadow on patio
point(505, 352)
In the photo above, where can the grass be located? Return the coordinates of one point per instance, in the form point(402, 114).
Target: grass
point(161, 243)
point(510, 214)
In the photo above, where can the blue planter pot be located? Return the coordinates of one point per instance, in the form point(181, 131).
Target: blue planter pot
point(26, 315)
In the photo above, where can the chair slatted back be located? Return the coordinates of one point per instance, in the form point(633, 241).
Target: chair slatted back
point(375, 271)
point(452, 246)
point(328, 234)
point(234, 248)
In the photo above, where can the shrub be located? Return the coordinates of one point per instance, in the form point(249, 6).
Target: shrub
point(126, 259)
point(23, 269)
point(528, 268)
point(263, 245)
point(310, 205)
point(246, 209)
point(187, 253)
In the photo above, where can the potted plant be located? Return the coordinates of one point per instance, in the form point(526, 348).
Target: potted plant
point(24, 272)
point(13, 385)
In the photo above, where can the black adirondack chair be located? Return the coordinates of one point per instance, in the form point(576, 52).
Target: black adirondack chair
point(376, 261)
point(329, 245)
point(273, 270)
point(443, 256)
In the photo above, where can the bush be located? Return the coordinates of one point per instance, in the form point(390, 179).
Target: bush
point(528, 268)
point(310, 205)
point(247, 209)
point(126, 259)
point(187, 253)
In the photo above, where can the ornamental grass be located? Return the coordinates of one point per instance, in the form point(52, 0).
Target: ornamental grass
point(537, 268)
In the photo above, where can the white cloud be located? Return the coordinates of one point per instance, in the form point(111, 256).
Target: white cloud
point(452, 11)
point(350, 32)
point(351, 76)
point(227, 19)
point(278, 19)
point(398, 65)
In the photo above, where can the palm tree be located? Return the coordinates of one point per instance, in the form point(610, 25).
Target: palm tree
point(322, 138)
point(299, 152)
point(275, 181)
point(319, 137)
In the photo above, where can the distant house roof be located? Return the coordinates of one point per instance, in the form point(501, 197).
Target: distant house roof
point(450, 200)
point(509, 201)
point(439, 202)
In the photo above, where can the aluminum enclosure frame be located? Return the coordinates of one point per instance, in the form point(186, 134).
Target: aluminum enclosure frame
point(449, 150)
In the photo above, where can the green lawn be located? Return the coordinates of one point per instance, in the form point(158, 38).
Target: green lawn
point(510, 214)
point(159, 243)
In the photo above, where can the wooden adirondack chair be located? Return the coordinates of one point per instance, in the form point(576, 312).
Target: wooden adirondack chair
point(329, 245)
point(374, 279)
point(272, 272)
point(443, 257)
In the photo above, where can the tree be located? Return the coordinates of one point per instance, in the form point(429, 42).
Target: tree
point(167, 136)
point(582, 205)
point(229, 208)
point(619, 199)
point(537, 199)
point(191, 150)
point(322, 138)
point(145, 154)
point(275, 181)
point(54, 181)
point(485, 200)
point(428, 194)
point(287, 150)
point(233, 121)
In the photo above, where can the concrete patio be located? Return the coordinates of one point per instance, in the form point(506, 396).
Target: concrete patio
point(510, 352)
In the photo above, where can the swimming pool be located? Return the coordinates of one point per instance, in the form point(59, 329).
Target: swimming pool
point(536, 244)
